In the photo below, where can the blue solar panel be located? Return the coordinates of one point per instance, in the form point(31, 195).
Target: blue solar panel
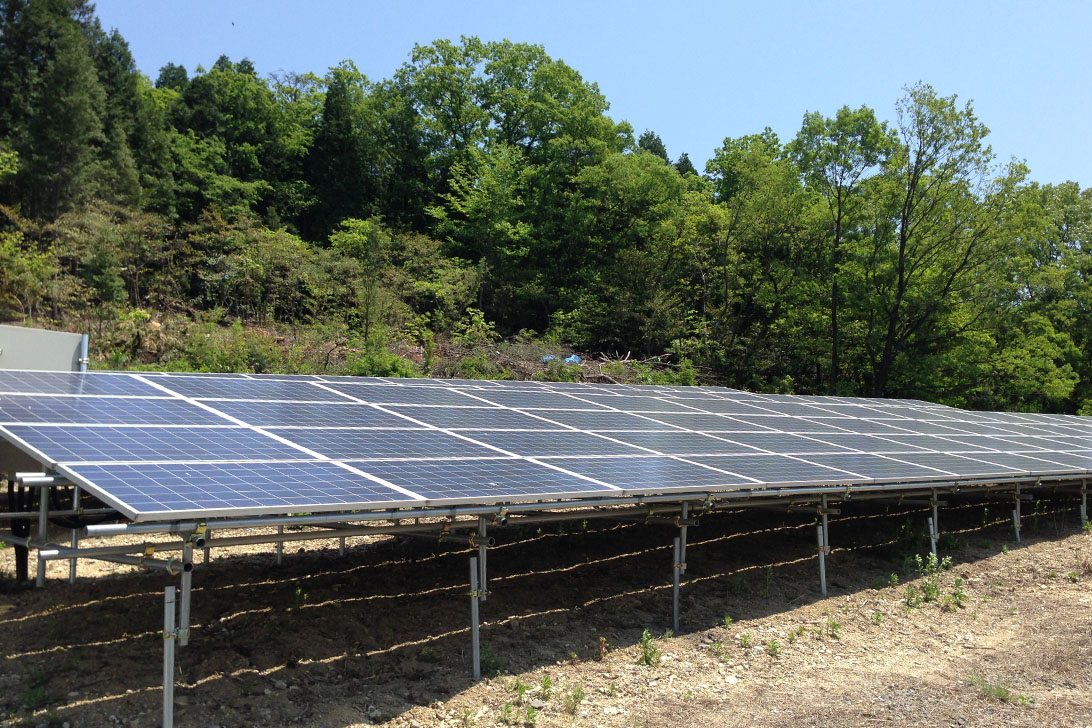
point(473, 418)
point(651, 473)
point(478, 480)
point(71, 444)
point(544, 444)
point(299, 414)
point(537, 400)
point(383, 444)
point(259, 389)
point(160, 491)
point(74, 383)
point(21, 408)
point(604, 421)
point(681, 443)
point(771, 469)
point(279, 444)
point(878, 467)
point(391, 394)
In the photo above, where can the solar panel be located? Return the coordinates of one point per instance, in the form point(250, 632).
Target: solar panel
point(653, 473)
point(256, 389)
point(72, 444)
point(20, 382)
point(168, 446)
point(86, 410)
point(310, 414)
point(173, 490)
point(345, 444)
point(553, 443)
point(477, 480)
point(681, 443)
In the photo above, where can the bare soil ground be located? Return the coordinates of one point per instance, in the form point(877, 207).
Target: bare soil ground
point(380, 636)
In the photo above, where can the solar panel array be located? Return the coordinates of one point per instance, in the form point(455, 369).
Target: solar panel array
point(160, 446)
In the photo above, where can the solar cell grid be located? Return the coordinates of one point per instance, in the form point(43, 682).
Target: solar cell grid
point(555, 443)
point(785, 423)
point(651, 473)
point(172, 457)
point(383, 444)
point(71, 444)
point(964, 465)
point(296, 414)
point(704, 422)
point(473, 418)
point(152, 491)
point(391, 394)
point(23, 408)
point(605, 421)
point(537, 400)
point(782, 443)
point(475, 480)
point(627, 403)
point(771, 469)
point(880, 467)
point(1027, 463)
point(252, 389)
point(681, 443)
point(867, 443)
point(17, 382)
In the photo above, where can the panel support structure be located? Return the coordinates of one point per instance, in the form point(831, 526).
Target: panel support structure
point(1084, 503)
point(679, 566)
point(823, 536)
point(170, 633)
point(43, 532)
point(934, 524)
point(187, 588)
point(475, 646)
point(483, 545)
point(1016, 514)
point(75, 540)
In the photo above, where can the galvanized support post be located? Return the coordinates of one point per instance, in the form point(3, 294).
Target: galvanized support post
point(75, 543)
point(43, 532)
point(1016, 514)
point(483, 538)
point(75, 540)
point(170, 633)
point(1084, 503)
point(932, 536)
point(679, 566)
point(475, 648)
point(934, 525)
point(676, 568)
point(823, 511)
point(822, 560)
point(280, 546)
point(341, 546)
point(187, 588)
point(208, 549)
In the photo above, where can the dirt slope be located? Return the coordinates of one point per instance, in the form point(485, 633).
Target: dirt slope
point(380, 636)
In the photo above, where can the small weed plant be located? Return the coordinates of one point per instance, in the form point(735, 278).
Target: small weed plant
point(573, 698)
point(745, 641)
point(773, 648)
point(545, 687)
point(834, 629)
point(650, 653)
point(999, 691)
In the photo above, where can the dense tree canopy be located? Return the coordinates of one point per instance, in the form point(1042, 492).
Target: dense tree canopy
point(483, 186)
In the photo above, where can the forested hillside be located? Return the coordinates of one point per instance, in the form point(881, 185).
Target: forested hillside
point(482, 199)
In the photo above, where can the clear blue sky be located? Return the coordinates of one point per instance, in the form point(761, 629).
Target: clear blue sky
point(695, 72)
